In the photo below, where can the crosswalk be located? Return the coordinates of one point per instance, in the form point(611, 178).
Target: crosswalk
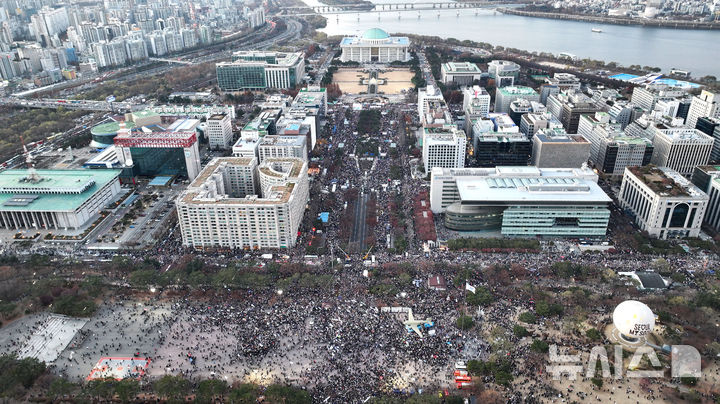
point(51, 337)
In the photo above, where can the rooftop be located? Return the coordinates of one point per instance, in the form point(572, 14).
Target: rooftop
point(517, 90)
point(666, 182)
point(264, 58)
point(276, 140)
point(58, 190)
point(682, 133)
point(144, 113)
point(461, 67)
point(624, 139)
point(109, 128)
point(198, 194)
point(504, 65)
point(529, 185)
point(555, 136)
point(502, 137)
point(258, 124)
point(374, 35)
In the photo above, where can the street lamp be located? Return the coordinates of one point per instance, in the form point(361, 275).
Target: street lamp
point(279, 292)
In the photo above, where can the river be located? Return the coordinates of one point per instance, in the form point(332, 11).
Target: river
point(694, 50)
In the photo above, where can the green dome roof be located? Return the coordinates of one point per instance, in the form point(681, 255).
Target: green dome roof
point(109, 128)
point(375, 33)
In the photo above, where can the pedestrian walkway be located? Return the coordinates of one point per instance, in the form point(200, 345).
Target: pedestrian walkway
point(51, 338)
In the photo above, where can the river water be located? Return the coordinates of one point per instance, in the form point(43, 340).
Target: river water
point(694, 50)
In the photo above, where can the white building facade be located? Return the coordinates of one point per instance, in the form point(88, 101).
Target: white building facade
point(219, 131)
point(681, 149)
point(375, 46)
point(663, 202)
point(218, 210)
point(443, 147)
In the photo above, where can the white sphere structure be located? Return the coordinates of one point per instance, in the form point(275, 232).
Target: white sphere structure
point(633, 319)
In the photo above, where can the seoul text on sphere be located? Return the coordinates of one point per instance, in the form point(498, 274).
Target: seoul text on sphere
point(633, 318)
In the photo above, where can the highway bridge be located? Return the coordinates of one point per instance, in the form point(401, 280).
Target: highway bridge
point(354, 8)
point(88, 105)
point(179, 61)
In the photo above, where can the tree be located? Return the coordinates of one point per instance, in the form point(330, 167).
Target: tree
point(520, 331)
point(546, 309)
point(18, 373)
point(61, 387)
point(243, 394)
point(127, 389)
point(143, 278)
point(464, 322)
point(593, 334)
point(688, 380)
point(172, 387)
point(101, 389)
point(476, 367)
point(208, 390)
point(527, 317)
point(539, 346)
point(278, 393)
point(481, 297)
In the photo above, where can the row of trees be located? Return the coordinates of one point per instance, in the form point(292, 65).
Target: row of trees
point(195, 275)
point(501, 243)
point(18, 376)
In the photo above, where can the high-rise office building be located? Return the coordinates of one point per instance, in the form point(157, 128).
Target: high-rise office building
point(568, 107)
point(705, 104)
point(260, 70)
point(162, 151)
point(277, 146)
point(219, 131)
point(443, 147)
point(711, 127)
point(503, 72)
point(681, 149)
point(647, 96)
point(476, 105)
point(504, 96)
point(234, 203)
point(553, 148)
point(494, 149)
point(564, 81)
point(531, 123)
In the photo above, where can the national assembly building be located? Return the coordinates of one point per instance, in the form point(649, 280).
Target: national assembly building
point(375, 46)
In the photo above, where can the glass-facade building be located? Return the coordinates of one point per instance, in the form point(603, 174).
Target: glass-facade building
point(237, 77)
point(521, 201)
point(260, 70)
point(158, 161)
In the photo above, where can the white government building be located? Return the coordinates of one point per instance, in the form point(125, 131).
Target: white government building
point(236, 203)
point(375, 46)
point(443, 147)
point(663, 202)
